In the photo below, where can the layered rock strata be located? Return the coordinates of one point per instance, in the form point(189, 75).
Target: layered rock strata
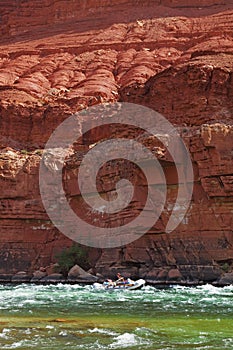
point(172, 56)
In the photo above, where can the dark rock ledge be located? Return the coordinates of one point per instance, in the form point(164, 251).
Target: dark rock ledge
point(77, 275)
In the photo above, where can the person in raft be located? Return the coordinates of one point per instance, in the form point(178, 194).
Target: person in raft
point(120, 279)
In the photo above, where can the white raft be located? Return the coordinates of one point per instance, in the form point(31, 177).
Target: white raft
point(132, 285)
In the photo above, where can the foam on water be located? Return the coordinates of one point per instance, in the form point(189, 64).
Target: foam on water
point(102, 331)
point(127, 340)
point(4, 333)
point(14, 345)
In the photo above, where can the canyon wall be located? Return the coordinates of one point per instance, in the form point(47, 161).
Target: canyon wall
point(23, 17)
point(175, 57)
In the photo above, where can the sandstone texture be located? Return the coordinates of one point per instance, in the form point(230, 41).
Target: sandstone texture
point(174, 56)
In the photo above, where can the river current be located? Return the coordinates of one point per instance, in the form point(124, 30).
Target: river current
point(78, 317)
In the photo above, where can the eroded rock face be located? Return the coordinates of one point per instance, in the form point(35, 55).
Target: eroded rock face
point(173, 56)
point(19, 17)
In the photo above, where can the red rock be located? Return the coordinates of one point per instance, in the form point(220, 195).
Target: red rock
point(174, 275)
point(51, 269)
point(162, 276)
point(174, 56)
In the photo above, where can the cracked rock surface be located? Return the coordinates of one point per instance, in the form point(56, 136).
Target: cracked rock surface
point(174, 56)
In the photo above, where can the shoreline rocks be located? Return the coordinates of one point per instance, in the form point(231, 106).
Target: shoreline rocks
point(77, 275)
point(226, 279)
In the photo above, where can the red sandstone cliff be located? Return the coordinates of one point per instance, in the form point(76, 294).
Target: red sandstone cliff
point(174, 56)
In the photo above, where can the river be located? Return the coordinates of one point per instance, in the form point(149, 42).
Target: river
point(78, 317)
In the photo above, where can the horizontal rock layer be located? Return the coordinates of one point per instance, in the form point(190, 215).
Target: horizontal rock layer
point(175, 60)
point(20, 17)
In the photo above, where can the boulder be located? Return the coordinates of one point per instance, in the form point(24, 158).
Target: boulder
point(156, 276)
point(100, 277)
point(210, 273)
point(21, 277)
point(5, 278)
point(162, 275)
point(53, 278)
point(226, 279)
point(77, 274)
point(38, 275)
point(51, 269)
point(42, 269)
point(151, 275)
point(174, 275)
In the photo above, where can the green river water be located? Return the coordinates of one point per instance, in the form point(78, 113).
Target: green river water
point(79, 317)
